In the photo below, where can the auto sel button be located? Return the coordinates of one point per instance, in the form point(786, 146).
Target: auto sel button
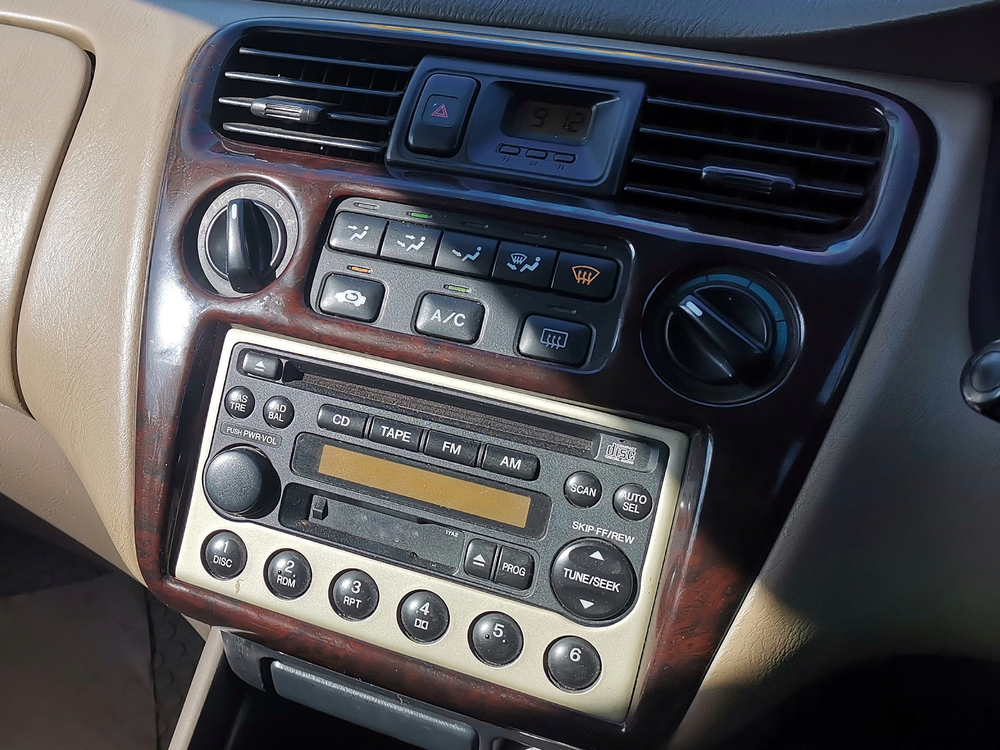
point(593, 579)
point(423, 616)
point(450, 318)
point(510, 463)
point(350, 297)
point(397, 434)
point(633, 502)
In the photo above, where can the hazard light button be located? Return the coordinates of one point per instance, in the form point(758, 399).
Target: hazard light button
point(440, 115)
point(593, 579)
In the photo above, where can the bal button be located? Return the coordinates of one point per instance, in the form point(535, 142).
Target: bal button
point(582, 489)
point(279, 412)
point(224, 555)
point(633, 502)
point(288, 574)
point(593, 579)
point(240, 402)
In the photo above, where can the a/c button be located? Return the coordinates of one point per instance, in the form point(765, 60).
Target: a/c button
point(450, 318)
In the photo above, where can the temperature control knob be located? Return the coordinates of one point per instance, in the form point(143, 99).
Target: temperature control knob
point(241, 481)
point(722, 338)
point(244, 244)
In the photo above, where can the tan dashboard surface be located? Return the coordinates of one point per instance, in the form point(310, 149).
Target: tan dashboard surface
point(78, 340)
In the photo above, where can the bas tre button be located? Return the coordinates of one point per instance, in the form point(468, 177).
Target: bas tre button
point(354, 595)
point(593, 579)
point(572, 664)
point(496, 639)
point(240, 402)
point(224, 555)
point(423, 616)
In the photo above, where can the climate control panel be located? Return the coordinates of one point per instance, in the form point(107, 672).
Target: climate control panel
point(482, 529)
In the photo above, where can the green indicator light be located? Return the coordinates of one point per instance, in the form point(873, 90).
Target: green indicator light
point(418, 215)
point(456, 288)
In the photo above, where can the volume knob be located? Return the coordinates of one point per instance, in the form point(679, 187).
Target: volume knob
point(241, 481)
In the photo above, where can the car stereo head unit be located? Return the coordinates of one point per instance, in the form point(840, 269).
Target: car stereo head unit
point(489, 531)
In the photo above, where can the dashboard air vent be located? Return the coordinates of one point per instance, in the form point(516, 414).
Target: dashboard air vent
point(325, 95)
point(787, 160)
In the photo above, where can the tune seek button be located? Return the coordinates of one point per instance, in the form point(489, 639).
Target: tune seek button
point(354, 595)
point(572, 664)
point(224, 555)
point(633, 502)
point(593, 579)
point(288, 574)
point(496, 639)
point(423, 616)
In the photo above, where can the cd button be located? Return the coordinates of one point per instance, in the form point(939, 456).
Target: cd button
point(396, 434)
point(510, 463)
point(423, 616)
point(451, 448)
point(593, 579)
point(339, 419)
point(479, 557)
point(240, 402)
point(515, 569)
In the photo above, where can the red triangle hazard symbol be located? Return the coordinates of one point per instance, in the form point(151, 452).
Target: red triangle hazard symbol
point(440, 111)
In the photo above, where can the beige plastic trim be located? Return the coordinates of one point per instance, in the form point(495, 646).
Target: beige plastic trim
point(620, 644)
point(211, 657)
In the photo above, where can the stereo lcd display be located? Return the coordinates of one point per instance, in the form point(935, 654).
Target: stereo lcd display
point(425, 486)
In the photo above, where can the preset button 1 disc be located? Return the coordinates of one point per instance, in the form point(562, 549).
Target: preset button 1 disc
point(593, 579)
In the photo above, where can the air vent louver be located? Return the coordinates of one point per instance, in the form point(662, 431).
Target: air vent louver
point(325, 95)
point(787, 160)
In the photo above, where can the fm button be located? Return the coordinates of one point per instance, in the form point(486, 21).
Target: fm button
point(593, 579)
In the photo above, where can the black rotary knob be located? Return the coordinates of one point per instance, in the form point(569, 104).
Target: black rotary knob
point(244, 244)
point(723, 337)
point(241, 481)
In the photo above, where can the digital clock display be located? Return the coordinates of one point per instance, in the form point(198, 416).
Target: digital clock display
point(565, 123)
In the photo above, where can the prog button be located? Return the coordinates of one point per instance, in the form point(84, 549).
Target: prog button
point(515, 569)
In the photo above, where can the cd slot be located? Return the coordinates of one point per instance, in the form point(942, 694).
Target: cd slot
point(411, 541)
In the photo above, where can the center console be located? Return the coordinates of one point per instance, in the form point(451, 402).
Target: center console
point(489, 386)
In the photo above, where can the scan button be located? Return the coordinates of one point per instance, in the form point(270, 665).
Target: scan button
point(554, 340)
point(350, 297)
